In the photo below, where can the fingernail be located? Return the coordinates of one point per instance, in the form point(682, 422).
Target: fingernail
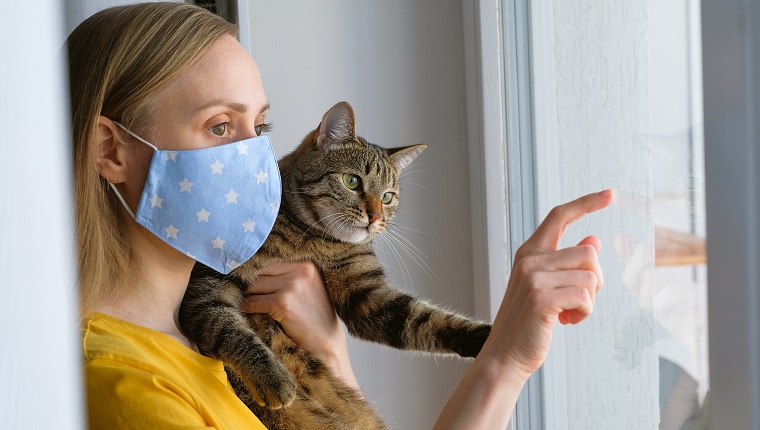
point(604, 194)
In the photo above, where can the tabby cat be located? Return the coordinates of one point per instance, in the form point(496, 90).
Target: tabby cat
point(339, 192)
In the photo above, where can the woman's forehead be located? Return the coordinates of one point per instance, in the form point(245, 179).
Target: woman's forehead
point(225, 75)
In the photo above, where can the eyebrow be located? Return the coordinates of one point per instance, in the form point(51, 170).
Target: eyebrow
point(240, 107)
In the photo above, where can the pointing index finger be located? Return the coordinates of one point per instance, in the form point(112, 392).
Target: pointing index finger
point(550, 232)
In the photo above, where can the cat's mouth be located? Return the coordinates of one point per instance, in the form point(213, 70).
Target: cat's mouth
point(357, 233)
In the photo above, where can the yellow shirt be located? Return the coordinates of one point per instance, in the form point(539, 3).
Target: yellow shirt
point(138, 378)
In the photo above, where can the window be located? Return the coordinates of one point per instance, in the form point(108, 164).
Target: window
point(609, 94)
point(227, 9)
point(623, 83)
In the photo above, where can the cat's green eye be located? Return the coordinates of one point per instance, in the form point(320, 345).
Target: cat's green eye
point(351, 181)
point(387, 198)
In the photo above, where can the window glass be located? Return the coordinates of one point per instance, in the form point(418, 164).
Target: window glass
point(625, 82)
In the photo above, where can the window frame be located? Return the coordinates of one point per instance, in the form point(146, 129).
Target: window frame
point(731, 66)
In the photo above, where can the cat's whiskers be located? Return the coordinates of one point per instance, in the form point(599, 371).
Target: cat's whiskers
point(402, 265)
point(337, 219)
point(409, 172)
point(405, 269)
point(340, 220)
point(421, 255)
point(314, 225)
point(396, 225)
point(421, 186)
point(418, 168)
point(345, 224)
point(418, 256)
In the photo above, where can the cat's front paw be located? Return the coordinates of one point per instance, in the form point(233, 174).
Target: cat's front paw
point(470, 344)
point(271, 386)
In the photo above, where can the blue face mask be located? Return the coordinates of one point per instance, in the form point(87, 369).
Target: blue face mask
point(216, 205)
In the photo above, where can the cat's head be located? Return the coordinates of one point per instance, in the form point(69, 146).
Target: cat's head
point(341, 186)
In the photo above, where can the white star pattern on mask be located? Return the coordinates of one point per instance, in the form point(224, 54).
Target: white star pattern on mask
point(216, 167)
point(203, 215)
point(171, 231)
point(261, 177)
point(233, 264)
point(232, 196)
point(274, 205)
point(156, 201)
point(170, 155)
point(218, 243)
point(185, 185)
point(248, 225)
point(242, 148)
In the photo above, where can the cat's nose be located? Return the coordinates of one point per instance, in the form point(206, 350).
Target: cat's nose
point(373, 216)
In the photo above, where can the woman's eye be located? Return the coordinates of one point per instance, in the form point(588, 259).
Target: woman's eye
point(263, 128)
point(351, 181)
point(387, 198)
point(219, 129)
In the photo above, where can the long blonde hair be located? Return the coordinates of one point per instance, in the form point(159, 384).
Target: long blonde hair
point(119, 60)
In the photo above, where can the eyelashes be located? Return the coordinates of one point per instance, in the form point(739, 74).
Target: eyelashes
point(224, 129)
point(264, 128)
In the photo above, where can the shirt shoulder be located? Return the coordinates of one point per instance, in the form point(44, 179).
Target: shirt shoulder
point(139, 378)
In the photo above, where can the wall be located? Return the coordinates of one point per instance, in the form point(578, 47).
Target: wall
point(40, 386)
point(400, 65)
point(79, 10)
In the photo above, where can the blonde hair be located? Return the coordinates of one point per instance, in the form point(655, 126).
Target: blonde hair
point(119, 60)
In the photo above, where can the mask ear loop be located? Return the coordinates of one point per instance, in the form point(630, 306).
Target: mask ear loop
point(136, 136)
point(113, 187)
point(121, 199)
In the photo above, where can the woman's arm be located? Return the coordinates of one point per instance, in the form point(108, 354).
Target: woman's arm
point(546, 285)
point(294, 295)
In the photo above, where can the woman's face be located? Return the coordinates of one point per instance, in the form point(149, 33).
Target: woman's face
point(218, 100)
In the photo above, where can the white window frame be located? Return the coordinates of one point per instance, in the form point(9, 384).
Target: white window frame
point(731, 81)
point(506, 123)
point(501, 151)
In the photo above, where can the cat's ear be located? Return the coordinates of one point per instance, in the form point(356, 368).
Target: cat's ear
point(403, 157)
point(338, 127)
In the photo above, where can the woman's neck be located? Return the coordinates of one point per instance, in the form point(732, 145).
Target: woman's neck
point(152, 297)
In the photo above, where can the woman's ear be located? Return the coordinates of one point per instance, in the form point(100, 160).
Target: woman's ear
point(111, 157)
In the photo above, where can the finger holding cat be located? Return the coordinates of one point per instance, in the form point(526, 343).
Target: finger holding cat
point(294, 295)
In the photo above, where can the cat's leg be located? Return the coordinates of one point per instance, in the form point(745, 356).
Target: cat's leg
point(239, 387)
point(211, 317)
point(373, 310)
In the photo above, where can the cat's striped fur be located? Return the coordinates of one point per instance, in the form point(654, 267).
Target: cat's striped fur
point(322, 220)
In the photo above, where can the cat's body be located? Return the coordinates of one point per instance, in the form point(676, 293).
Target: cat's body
point(331, 224)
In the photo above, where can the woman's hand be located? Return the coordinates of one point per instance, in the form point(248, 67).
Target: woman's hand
point(546, 286)
point(294, 295)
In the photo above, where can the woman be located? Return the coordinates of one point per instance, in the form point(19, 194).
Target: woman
point(173, 77)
